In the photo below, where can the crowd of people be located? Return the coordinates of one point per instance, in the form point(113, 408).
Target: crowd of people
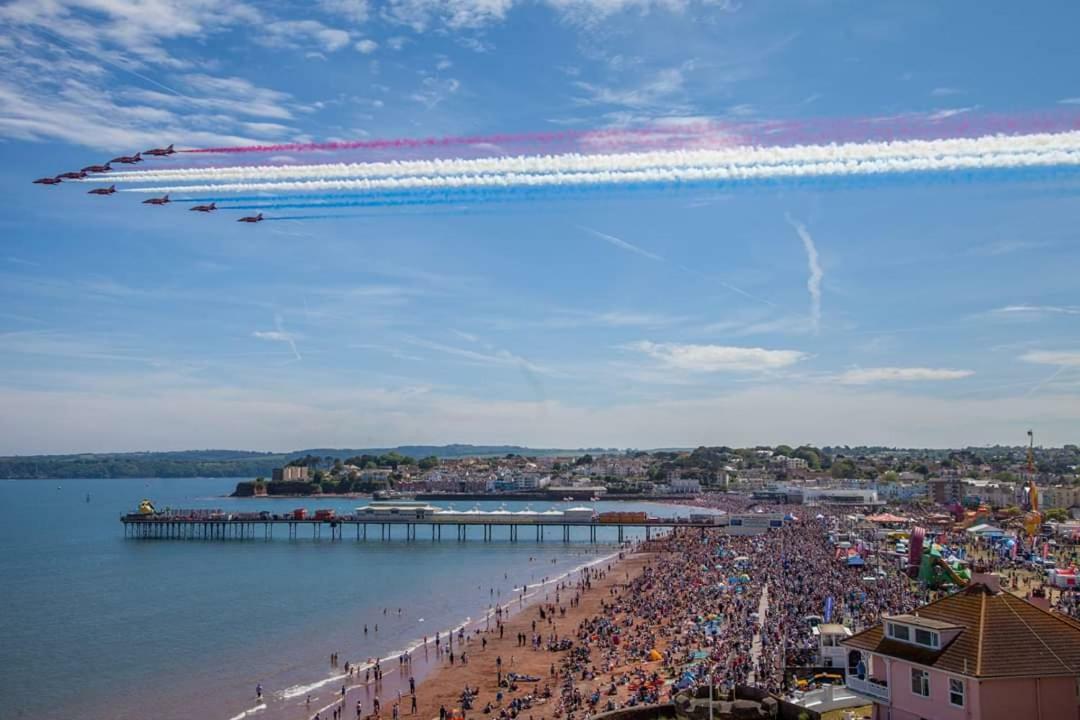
point(702, 607)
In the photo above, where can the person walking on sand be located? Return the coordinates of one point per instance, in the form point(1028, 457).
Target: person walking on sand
point(258, 691)
point(359, 710)
point(413, 711)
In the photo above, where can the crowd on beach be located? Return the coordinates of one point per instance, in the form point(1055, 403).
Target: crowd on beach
point(702, 607)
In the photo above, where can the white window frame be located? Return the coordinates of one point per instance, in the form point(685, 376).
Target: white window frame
point(924, 677)
point(934, 638)
point(962, 692)
point(891, 631)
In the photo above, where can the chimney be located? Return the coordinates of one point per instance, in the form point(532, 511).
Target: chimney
point(988, 580)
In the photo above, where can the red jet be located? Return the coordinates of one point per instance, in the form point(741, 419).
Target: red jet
point(73, 175)
point(48, 181)
point(128, 159)
point(157, 201)
point(96, 168)
point(204, 208)
point(251, 218)
point(161, 152)
point(103, 191)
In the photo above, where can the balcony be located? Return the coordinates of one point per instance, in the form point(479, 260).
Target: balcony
point(877, 689)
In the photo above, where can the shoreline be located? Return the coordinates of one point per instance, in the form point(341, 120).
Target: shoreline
point(426, 665)
point(441, 683)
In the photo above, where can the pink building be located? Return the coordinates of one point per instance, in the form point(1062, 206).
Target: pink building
point(979, 654)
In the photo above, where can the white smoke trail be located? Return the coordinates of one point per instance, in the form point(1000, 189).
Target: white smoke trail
point(813, 282)
point(737, 157)
point(657, 175)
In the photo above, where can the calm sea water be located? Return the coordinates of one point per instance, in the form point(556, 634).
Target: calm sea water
point(93, 625)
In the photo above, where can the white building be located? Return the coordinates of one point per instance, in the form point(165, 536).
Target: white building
point(689, 486)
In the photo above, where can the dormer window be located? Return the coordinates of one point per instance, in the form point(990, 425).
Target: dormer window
point(926, 638)
point(896, 631)
point(914, 635)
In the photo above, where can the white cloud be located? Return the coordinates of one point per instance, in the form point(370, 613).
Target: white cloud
point(279, 335)
point(455, 14)
point(950, 112)
point(591, 12)
point(865, 376)
point(654, 90)
point(718, 358)
point(945, 92)
point(1037, 310)
point(367, 46)
point(1069, 101)
point(434, 91)
point(396, 42)
point(813, 283)
point(354, 10)
point(300, 33)
point(1069, 358)
point(131, 411)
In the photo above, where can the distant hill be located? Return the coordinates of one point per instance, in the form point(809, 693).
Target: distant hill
point(231, 463)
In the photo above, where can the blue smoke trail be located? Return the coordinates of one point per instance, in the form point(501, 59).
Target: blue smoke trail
point(443, 196)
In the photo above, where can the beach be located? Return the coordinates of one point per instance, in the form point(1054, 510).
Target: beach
point(491, 646)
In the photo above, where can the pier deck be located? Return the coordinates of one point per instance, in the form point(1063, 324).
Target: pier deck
point(232, 528)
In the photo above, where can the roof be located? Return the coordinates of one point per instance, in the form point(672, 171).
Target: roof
point(1002, 636)
point(925, 622)
point(833, 629)
point(887, 518)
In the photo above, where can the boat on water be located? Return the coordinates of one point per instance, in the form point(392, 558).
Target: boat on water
point(390, 495)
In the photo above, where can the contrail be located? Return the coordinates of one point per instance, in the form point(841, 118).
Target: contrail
point(673, 174)
point(735, 158)
point(813, 282)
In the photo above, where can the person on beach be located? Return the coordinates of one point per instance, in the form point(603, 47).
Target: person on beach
point(258, 691)
point(359, 710)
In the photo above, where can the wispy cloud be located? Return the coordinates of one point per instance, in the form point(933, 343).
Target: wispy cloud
point(492, 356)
point(1070, 358)
point(813, 283)
point(279, 335)
point(717, 358)
point(866, 376)
point(1036, 311)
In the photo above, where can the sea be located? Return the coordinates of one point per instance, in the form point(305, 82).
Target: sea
point(96, 625)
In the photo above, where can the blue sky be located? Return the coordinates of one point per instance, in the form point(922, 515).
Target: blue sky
point(901, 313)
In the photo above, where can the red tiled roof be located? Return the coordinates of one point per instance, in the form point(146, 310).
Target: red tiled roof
point(1003, 636)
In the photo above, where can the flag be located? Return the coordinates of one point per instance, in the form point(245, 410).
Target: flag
point(828, 608)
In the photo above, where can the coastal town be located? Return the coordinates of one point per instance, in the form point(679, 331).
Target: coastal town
point(887, 585)
point(869, 476)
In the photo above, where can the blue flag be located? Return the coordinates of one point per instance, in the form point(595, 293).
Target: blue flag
point(828, 608)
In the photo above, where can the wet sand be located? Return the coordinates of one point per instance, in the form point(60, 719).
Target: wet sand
point(440, 684)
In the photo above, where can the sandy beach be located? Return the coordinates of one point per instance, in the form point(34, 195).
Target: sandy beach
point(489, 648)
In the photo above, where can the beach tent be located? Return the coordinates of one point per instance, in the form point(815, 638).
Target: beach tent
point(655, 655)
point(855, 561)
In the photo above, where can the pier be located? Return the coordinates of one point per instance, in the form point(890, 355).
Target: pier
point(242, 527)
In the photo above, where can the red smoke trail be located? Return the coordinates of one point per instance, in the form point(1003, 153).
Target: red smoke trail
point(707, 134)
point(561, 136)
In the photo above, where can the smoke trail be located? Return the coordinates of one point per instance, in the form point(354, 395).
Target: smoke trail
point(906, 126)
point(583, 163)
point(302, 217)
point(675, 174)
point(450, 141)
point(813, 282)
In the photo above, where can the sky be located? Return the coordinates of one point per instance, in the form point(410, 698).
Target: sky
point(900, 312)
